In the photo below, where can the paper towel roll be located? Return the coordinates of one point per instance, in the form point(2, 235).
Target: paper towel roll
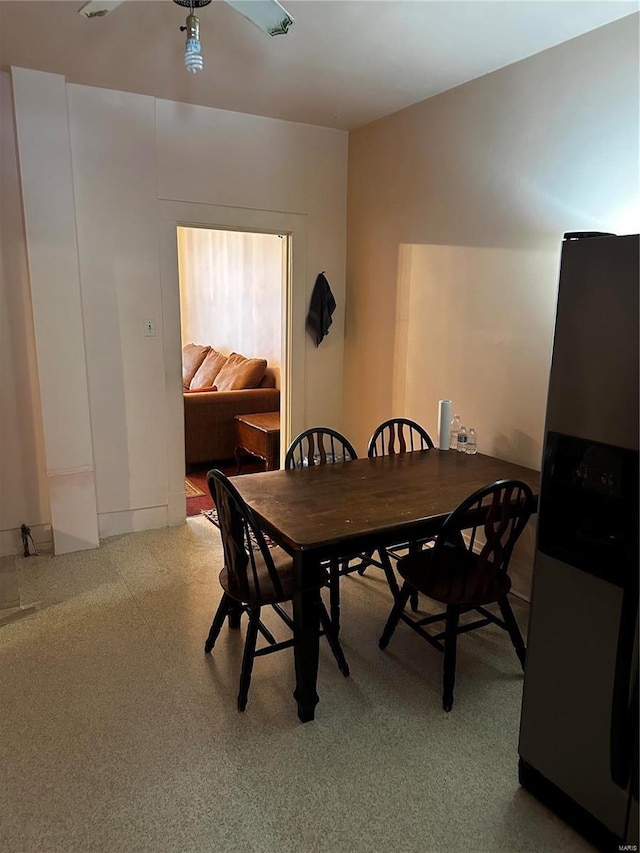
point(444, 424)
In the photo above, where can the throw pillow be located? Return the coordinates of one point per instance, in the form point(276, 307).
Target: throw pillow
point(192, 357)
point(208, 370)
point(240, 372)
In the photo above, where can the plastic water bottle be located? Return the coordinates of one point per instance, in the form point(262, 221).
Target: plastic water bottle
point(462, 440)
point(454, 429)
point(472, 441)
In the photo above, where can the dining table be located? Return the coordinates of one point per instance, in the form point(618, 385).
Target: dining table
point(345, 509)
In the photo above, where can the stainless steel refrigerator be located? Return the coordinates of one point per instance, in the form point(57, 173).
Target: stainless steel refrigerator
point(579, 725)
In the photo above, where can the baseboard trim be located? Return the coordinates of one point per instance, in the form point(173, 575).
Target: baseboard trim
point(109, 524)
point(132, 521)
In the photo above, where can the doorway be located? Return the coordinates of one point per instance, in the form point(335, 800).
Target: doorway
point(233, 287)
point(293, 368)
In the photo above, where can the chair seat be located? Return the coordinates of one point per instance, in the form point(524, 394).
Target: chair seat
point(453, 578)
point(264, 592)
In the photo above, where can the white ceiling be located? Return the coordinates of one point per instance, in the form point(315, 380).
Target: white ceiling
point(343, 64)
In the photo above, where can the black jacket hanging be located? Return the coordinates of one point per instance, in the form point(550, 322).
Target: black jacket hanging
point(321, 308)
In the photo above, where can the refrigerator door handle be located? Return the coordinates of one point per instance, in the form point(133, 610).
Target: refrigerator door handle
point(630, 830)
point(624, 690)
point(634, 743)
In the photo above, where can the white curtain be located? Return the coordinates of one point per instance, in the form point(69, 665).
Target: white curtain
point(231, 291)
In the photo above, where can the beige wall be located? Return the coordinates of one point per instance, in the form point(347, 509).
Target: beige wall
point(232, 291)
point(140, 166)
point(456, 212)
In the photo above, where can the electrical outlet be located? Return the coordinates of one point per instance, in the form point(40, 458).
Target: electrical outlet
point(150, 328)
point(25, 533)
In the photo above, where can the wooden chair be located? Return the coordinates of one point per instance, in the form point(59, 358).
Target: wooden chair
point(253, 576)
point(466, 574)
point(323, 446)
point(397, 435)
point(318, 446)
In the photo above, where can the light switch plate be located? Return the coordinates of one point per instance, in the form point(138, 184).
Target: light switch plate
point(150, 328)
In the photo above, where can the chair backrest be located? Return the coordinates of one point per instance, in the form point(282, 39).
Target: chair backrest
point(319, 446)
point(398, 435)
point(499, 511)
point(242, 541)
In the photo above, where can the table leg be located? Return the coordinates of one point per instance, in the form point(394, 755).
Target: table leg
point(306, 634)
point(238, 455)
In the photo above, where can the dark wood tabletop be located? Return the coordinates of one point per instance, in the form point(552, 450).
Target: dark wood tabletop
point(346, 508)
point(330, 505)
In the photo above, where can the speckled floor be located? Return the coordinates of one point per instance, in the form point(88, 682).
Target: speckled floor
point(118, 734)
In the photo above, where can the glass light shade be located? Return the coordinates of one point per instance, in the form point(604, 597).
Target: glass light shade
point(193, 60)
point(268, 15)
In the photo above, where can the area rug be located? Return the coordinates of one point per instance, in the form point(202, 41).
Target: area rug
point(192, 490)
point(212, 515)
point(197, 492)
point(201, 499)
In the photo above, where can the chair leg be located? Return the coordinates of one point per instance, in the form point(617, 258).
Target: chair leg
point(247, 658)
point(364, 565)
point(389, 573)
point(345, 569)
point(218, 621)
point(414, 548)
point(334, 594)
point(514, 630)
point(235, 612)
point(266, 633)
point(450, 641)
point(334, 643)
point(394, 616)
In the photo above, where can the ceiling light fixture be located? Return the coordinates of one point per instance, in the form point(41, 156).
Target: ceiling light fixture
point(193, 60)
point(267, 15)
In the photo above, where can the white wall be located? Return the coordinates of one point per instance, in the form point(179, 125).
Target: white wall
point(231, 291)
point(216, 157)
point(52, 249)
point(134, 160)
point(457, 207)
point(24, 495)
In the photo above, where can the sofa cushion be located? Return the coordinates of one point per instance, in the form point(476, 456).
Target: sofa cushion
point(208, 370)
point(240, 372)
point(199, 390)
point(270, 379)
point(192, 357)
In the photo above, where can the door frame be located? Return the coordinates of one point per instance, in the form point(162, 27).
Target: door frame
point(292, 374)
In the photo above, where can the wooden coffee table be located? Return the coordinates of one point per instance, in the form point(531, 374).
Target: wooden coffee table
point(259, 434)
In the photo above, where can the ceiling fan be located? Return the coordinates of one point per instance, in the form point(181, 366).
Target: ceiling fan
point(268, 15)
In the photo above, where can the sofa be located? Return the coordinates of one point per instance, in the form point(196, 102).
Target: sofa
point(215, 389)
